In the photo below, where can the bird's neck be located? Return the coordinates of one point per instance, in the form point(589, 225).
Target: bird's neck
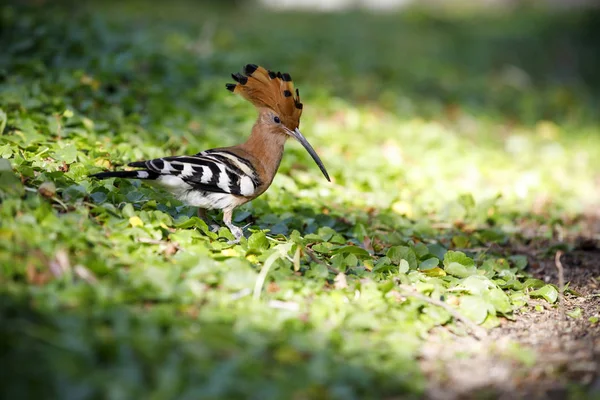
point(267, 148)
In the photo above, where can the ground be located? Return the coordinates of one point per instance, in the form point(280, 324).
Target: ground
point(567, 349)
point(462, 147)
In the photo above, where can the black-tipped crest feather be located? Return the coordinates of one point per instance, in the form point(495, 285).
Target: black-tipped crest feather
point(239, 78)
point(250, 68)
point(274, 90)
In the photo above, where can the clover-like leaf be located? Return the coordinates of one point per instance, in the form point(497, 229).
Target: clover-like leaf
point(548, 292)
point(399, 253)
point(458, 257)
point(474, 308)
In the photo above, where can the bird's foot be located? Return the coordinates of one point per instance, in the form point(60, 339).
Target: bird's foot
point(237, 232)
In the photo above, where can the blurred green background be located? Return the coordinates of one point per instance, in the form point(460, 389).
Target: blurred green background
point(430, 118)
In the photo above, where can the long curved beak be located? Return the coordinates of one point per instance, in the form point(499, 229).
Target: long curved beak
point(296, 134)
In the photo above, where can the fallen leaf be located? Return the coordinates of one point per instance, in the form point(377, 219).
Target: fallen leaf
point(340, 281)
point(135, 221)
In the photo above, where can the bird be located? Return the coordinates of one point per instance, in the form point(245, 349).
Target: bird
point(227, 177)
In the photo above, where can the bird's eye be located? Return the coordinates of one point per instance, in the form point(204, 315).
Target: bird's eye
point(277, 120)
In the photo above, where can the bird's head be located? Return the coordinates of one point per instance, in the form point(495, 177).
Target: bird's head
point(278, 103)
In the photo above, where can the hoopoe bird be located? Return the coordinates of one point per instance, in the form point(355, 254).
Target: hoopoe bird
point(227, 177)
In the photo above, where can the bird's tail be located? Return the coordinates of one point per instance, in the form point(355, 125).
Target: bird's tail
point(141, 174)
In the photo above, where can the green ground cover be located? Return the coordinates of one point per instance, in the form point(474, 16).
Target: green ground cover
point(444, 135)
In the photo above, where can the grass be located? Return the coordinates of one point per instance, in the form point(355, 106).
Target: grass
point(444, 135)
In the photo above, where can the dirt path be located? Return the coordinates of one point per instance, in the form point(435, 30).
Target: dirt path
point(544, 353)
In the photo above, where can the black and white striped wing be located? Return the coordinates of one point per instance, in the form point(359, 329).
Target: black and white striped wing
point(217, 171)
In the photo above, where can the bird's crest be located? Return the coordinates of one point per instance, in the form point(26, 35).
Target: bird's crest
point(273, 90)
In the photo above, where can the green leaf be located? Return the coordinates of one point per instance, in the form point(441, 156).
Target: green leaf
point(501, 264)
point(258, 241)
point(428, 264)
point(98, 197)
point(437, 271)
point(338, 261)
point(492, 235)
point(399, 253)
point(437, 250)
point(513, 284)
point(548, 292)
point(383, 264)
point(500, 300)
point(575, 313)
point(128, 211)
point(459, 270)
point(403, 266)
point(10, 184)
point(487, 268)
point(6, 151)
point(460, 241)
point(474, 308)
point(318, 271)
point(67, 153)
point(134, 196)
point(533, 283)
point(312, 237)
point(491, 321)
point(458, 257)
point(351, 260)
point(358, 251)
point(519, 261)
point(477, 284)
point(386, 286)
point(360, 232)
point(323, 247)
point(438, 315)
point(467, 201)
point(337, 239)
point(184, 236)
point(421, 250)
point(326, 233)
point(193, 222)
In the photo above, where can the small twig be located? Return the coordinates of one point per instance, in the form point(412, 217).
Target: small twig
point(561, 282)
point(64, 206)
point(316, 259)
point(242, 293)
point(280, 252)
point(477, 331)
point(284, 305)
point(85, 274)
point(61, 264)
point(544, 304)
point(473, 249)
point(441, 225)
point(151, 241)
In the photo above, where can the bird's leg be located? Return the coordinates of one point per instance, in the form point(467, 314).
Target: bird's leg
point(235, 230)
point(204, 217)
